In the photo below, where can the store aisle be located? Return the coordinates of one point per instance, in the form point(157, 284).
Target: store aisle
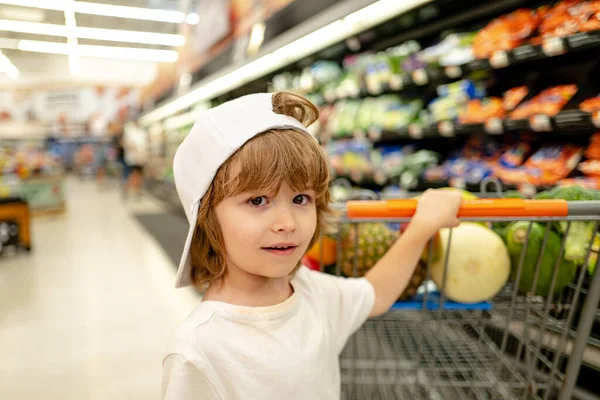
point(87, 314)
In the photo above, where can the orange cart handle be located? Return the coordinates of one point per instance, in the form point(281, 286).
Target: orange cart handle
point(469, 208)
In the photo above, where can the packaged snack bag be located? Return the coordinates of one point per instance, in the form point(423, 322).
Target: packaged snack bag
point(548, 102)
point(514, 96)
point(590, 105)
point(506, 32)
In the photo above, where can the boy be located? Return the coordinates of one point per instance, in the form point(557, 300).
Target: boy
point(254, 185)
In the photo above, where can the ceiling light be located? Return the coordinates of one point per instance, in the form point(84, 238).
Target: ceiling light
point(165, 39)
point(192, 19)
point(8, 67)
point(309, 44)
point(70, 23)
point(125, 53)
point(107, 10)
point(93, 33)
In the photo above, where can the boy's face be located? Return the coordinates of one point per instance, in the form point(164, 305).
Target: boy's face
point(267, 236)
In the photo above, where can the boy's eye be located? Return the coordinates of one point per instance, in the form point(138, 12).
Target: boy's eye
point(258, 201)
point(301, 199)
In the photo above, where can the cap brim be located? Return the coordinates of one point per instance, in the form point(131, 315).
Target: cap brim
point(184, 277)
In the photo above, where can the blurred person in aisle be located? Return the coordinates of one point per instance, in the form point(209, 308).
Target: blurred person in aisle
point(135, 157)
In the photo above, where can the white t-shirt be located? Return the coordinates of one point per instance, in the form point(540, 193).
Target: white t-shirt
point(288, 351)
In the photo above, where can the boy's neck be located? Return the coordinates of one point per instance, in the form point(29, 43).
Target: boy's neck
point(240, 288)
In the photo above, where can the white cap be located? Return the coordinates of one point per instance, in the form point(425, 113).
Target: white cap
point(216, 135)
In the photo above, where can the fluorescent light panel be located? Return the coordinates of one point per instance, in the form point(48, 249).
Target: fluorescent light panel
point(125, 53)
point(309, 44)
point(115, 35)
point(71, 25)
point(107, 10)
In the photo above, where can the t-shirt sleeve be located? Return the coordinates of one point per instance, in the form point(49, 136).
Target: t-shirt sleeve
point(348, 303)
point(181, 380)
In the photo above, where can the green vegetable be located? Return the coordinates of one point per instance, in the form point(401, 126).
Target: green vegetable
point(515, 237)
point(591, 265)
point(580, 232)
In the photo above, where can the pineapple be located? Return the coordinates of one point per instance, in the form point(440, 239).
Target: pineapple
point(374, 240)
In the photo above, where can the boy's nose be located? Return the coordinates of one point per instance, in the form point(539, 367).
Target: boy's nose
point(285, 221)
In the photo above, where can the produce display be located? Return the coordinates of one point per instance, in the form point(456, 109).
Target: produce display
point(453, 100)
point(369, 117)
point(362, 162)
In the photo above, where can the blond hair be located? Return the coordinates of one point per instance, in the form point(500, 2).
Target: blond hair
point(265, 162)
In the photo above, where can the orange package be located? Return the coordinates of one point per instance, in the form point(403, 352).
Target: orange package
point(568, 17)
point(479, 111)
point(593, 150)
point(548, 102)
point(590, 105)
point(514, 96)
point(505, 33)
point(552, 163)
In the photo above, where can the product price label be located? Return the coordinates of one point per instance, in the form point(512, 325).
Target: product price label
point(494, 126)
point(396, 82)
point(596, 119)
point(553, 46)
point(524, 52)
point(446, 128)
point(581, 39)
point(415, 131)
point(540, 123)
point(453, 71)
point(420, 77)
point(499, 59)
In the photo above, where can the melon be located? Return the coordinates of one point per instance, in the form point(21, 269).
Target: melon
point(478, 263)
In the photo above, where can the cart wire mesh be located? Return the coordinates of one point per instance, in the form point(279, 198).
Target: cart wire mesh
point(515, 346)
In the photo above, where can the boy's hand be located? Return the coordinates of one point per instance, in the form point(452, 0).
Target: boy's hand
point(437, 209)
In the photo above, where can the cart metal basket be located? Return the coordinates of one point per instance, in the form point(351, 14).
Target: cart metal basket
point(514, 346)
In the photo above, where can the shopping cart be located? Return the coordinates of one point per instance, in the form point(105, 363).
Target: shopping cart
point(514, 346)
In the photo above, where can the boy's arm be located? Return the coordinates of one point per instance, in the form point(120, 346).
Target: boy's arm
point(390, 275)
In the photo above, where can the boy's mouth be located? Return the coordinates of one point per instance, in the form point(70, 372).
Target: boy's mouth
point(281, 249)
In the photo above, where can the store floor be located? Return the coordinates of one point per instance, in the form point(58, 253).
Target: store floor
point(88, 313)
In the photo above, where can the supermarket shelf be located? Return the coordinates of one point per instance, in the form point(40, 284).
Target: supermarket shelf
point(571, 121)
point(551, 47)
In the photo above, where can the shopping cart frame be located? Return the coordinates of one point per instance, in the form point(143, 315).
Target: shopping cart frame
point(533, 381)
